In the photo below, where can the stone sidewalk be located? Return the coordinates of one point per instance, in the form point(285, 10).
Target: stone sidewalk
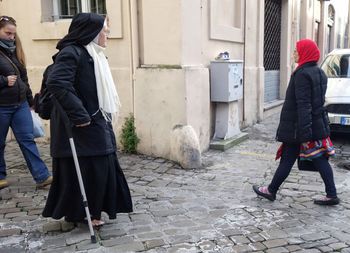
point(209, 210)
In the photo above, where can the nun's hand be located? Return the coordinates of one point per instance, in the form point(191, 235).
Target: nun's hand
point(84, 124)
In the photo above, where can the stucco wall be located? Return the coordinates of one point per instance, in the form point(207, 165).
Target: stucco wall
point(159, 106)
point(160, 53)
point(160, 31)
point(40, 38)
point(172, 87)
point(165, 98)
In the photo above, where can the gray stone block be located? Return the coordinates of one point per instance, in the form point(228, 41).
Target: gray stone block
point(277, 250)
point(338, 246)
point(117, 241)
point(112, 233)
point(257, 246)
point(314, 236)
point(150, 244)
point(275, 243)
point(129, 247)
point(4, 232)
point(77, 235)
point(51, 226)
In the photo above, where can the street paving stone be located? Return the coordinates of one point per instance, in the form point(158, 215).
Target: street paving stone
point(212, 209)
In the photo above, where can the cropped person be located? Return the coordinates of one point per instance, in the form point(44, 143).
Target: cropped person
point(15, 102)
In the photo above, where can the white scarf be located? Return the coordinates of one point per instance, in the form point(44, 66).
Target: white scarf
point(108, 98)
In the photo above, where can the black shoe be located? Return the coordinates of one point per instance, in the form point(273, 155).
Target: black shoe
point(270, 197)
point(327, 201)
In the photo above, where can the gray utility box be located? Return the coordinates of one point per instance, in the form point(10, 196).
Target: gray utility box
point(226, 80)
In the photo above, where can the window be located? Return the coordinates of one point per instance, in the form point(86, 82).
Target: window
point(68, 8)
point(337, 66)
point(53, 27)
point(98, 6)
point(330, 36)
point(317, 32)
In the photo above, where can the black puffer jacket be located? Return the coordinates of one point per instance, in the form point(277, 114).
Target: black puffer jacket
point(21, 91)
point(303, 117)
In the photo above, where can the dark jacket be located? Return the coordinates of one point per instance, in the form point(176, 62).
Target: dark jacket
point(21, 91)
point(303, 117)
point(72, 81)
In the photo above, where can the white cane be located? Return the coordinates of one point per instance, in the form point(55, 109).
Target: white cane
point(76, 163)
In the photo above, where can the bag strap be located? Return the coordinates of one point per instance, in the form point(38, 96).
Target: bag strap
point(13, 65)
point(79, 49)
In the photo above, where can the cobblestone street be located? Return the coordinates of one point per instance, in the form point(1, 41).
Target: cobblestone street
point(209, 210)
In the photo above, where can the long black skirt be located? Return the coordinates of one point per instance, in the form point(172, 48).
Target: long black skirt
point(105, 186)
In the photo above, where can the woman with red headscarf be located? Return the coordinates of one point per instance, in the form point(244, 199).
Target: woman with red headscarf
point(303, 128)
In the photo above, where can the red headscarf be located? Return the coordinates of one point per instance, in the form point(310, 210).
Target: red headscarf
point(308, 51)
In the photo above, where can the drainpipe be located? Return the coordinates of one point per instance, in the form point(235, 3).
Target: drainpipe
point(260, 59)
point(134, 50)
point(244, 64)
point(322, 31)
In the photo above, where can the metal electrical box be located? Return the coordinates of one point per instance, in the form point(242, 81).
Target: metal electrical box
point(226, 80)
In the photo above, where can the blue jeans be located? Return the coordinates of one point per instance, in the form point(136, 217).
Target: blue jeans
point(289, 156)
point(19, 118)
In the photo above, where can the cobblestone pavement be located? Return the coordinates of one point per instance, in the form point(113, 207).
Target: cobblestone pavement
point(209, 210)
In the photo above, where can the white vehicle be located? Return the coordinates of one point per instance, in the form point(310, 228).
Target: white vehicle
point(337, 68)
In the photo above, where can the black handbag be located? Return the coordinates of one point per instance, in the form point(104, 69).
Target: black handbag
point(306, 165)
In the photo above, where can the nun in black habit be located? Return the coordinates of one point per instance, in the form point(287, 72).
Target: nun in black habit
point(81, 81)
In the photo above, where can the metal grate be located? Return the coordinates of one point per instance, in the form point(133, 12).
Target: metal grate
point(339, 108)
point(272, 35)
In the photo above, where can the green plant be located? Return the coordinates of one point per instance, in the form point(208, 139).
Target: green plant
point(129, 139)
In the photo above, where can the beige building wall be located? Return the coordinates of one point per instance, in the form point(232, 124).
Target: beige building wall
point(206, 29)
point(178, 40)
point(289, 36)
point(171, 85)
point(253, 106)
point(336, 37)
point(160, 53)
point(307, 19)
point(40, 38)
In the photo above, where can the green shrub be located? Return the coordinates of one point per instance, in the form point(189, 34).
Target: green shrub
point(129, 139)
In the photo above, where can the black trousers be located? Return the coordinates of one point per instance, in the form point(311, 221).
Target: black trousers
point(289, 156)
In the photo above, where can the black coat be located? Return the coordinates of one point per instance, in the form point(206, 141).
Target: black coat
point(72, 81)
point(303, 116)
point(21, 91)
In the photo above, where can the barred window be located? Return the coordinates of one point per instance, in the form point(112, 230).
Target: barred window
point(68, 8)
point(98, 6)
point(61, 9)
